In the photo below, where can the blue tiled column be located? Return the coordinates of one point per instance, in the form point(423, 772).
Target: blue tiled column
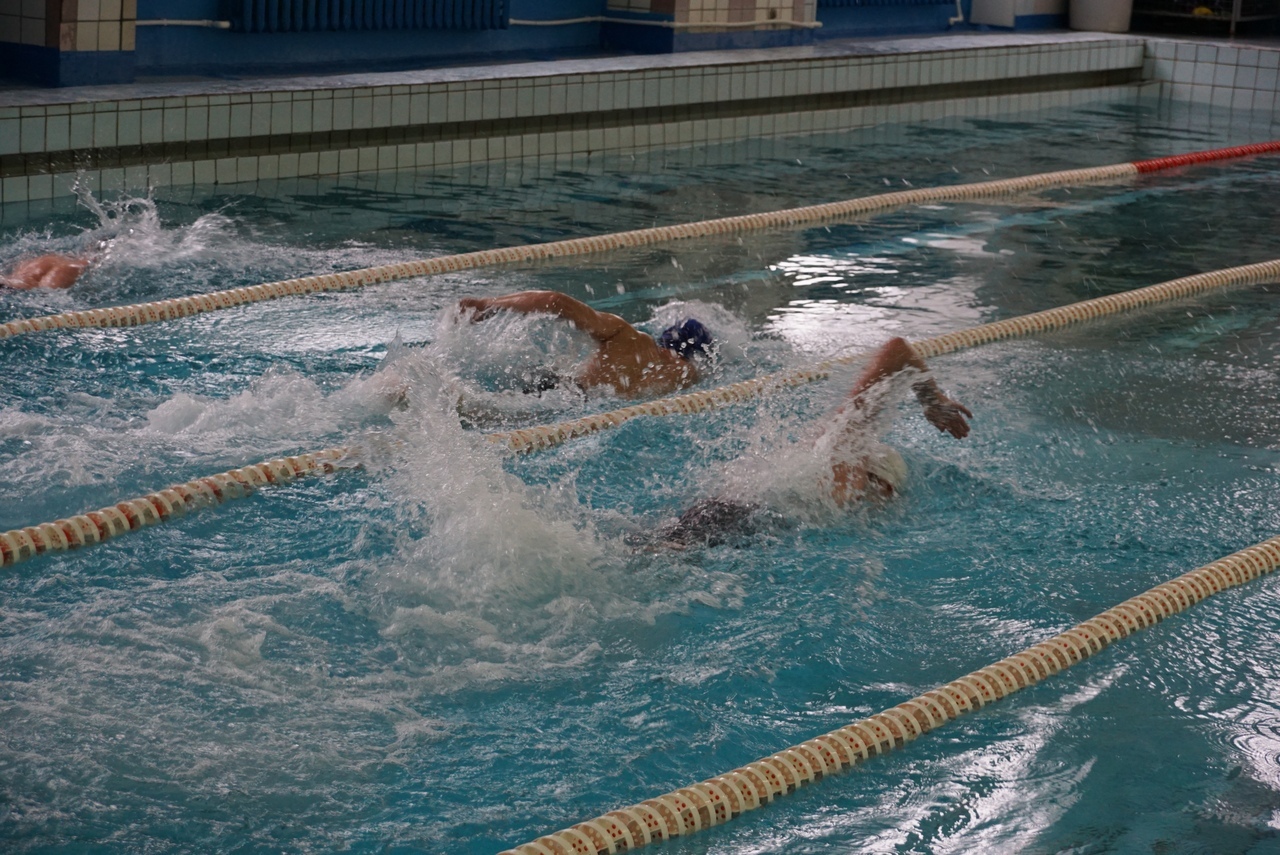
point(67, 43)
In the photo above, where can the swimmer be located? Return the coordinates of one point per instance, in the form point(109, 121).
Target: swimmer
point(856, 473)
point(853, 479)
point(628, 362)
point(45, 271)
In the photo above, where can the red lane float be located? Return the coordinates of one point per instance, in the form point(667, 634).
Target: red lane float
point(1156, 164)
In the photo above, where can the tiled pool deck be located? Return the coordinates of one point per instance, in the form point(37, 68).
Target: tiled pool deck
point(127, 138)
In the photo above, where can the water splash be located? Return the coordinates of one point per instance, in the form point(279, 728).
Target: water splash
point(130, 234)
point(787, 464)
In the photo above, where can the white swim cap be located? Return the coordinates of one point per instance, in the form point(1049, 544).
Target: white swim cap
point(887, 464)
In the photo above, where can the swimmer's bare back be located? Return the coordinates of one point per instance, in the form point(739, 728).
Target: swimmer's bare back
point(626, 360)
point(45, 271)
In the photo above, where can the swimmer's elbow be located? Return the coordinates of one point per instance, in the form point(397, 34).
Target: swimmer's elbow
point(899, 345)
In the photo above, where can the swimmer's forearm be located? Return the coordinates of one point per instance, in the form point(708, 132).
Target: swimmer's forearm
point(927, 392)
point(598, 325)
point(524, 302)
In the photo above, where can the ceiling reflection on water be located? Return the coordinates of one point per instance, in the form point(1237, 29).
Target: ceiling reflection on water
point(807, 270)
point(857, 301)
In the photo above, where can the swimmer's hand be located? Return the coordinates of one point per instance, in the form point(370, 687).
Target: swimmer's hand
point(943, 412)
point(948, 416)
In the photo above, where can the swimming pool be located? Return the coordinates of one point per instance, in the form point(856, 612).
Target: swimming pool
point(449, 651)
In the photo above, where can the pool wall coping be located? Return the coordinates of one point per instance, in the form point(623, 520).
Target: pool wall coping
point(130, 138)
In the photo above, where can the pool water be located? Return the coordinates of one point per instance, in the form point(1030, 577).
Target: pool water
point(451, 650)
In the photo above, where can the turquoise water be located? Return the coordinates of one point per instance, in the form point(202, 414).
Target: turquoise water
point(452, 651)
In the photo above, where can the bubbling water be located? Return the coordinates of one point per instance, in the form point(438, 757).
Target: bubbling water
point(129, 234)
point(493, 575)
point(787, 462)
point(489, 571)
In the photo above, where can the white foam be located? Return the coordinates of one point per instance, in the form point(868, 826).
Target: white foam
point(489, 535)
point(787, 464)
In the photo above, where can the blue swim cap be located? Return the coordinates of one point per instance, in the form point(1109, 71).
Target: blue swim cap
point(686, 338)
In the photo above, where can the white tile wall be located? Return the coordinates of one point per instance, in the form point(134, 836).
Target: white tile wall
point(1230, 76)
point(1241, 77)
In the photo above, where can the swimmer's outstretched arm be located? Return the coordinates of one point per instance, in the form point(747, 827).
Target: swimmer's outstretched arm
point(599, 325)
point(45, 271)
point(943, 412)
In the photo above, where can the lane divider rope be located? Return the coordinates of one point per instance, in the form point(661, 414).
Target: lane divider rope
point(18, 545)
point(546, 436)
point(181, 307)
point(172, 502)
point(727, 796)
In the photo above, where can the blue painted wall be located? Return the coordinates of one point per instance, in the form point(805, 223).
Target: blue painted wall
point(167, 51)
point(50, 67)
point(189, 50)
point(175, 50)
point(872, 19)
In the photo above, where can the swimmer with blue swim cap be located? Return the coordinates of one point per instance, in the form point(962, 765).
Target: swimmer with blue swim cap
point(629, 362)
point(686, 338)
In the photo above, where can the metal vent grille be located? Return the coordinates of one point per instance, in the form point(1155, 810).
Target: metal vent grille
point(843, 3)
point(300, 16)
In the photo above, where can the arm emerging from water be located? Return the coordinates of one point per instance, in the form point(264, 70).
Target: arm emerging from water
point(599, 325)
point(851, 478)
point(946, 414)
point(45, 271)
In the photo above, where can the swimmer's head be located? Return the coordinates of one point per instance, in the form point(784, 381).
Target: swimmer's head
point(886, 464)
point(686, 338)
